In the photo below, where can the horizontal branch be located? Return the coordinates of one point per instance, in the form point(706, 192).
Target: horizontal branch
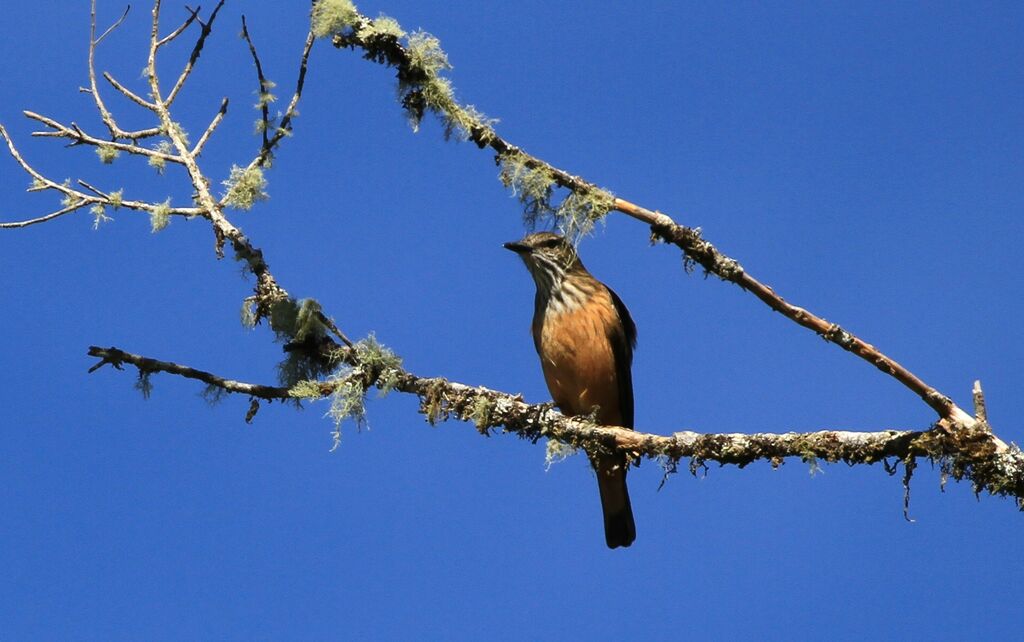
point(75, 133)
point(116, 358)
point(965, 452)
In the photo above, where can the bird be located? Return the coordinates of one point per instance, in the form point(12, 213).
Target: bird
point(585, 339)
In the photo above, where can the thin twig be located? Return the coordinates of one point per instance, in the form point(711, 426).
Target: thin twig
point(211, 128)
point(264, 89)
point(193, 14)
point(76, 134)
point(980, 411)
point(207, 27)
point(42, 219)
point(131, 95)
point(330, 325)
point(77, 199)
point(31, 171)
point(105, 115)
point(116, 357)
point(284, 128)
point(113, 26)
point(94, 190)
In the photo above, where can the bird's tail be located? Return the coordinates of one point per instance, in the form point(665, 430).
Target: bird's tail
point(619, 528)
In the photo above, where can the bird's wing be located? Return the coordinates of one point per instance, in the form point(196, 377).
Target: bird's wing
point(622, 337)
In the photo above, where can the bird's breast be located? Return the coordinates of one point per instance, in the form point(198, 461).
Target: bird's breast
point(577, 358)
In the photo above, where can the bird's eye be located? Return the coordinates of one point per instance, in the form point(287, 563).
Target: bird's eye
point(550, 243)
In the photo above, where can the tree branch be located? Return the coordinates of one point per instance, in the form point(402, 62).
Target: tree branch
point(415, 77)
point(968, 452)
point(42, 219)
point(284, 128)
point(207, 27)
point(198, 149)
point(105, 115)
point(79, 137)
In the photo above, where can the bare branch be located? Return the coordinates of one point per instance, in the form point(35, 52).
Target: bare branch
point(42, 219)
point(211, 128)
point(113, 26)
point(193, 14)
point(105, 115)
point(75, 133)
point(284, 128)
point(116, 357)
point(264, 90)
point(207, 27)
point(50, 184)
point(131, 95)
point(76, 199)
point(96, 191)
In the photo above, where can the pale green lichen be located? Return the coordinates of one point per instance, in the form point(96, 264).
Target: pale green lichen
point(480, 412)
point(348, 401)
point(68, 199)
point(557, 452)
point(531, 183)
point(248, 313)
point(178, 132)
point(534, 182)
point(421, 88)
point(380, 362)
point(580, 210)
point(116, 198)
point(246, 187)
point(107, 154)
point(308, 389)
point(160, 216)
point(330, 17)
point(266, 97)
point(376, 356)
point(425, 53)
point(380, 27)
point(298, 324)
point(156, 162)
point(99, 213)
point(37, 184)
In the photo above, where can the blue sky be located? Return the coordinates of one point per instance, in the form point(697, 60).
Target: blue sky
point(865, 159)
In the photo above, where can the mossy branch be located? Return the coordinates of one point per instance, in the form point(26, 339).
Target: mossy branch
point(966, 451)
point(419, 60)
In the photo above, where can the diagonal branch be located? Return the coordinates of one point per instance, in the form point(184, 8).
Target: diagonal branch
point(207, 27)
point(42, 219)
point(390, 52)
point(128, 93)
point(193, 14)
point(116, 24)
point(198, 149)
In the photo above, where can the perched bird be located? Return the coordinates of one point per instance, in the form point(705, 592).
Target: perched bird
point(585, 339)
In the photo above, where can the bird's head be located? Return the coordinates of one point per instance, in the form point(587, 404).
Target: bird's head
point(548, 256)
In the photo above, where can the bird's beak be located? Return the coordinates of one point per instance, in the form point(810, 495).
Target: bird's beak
point(516, 247)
